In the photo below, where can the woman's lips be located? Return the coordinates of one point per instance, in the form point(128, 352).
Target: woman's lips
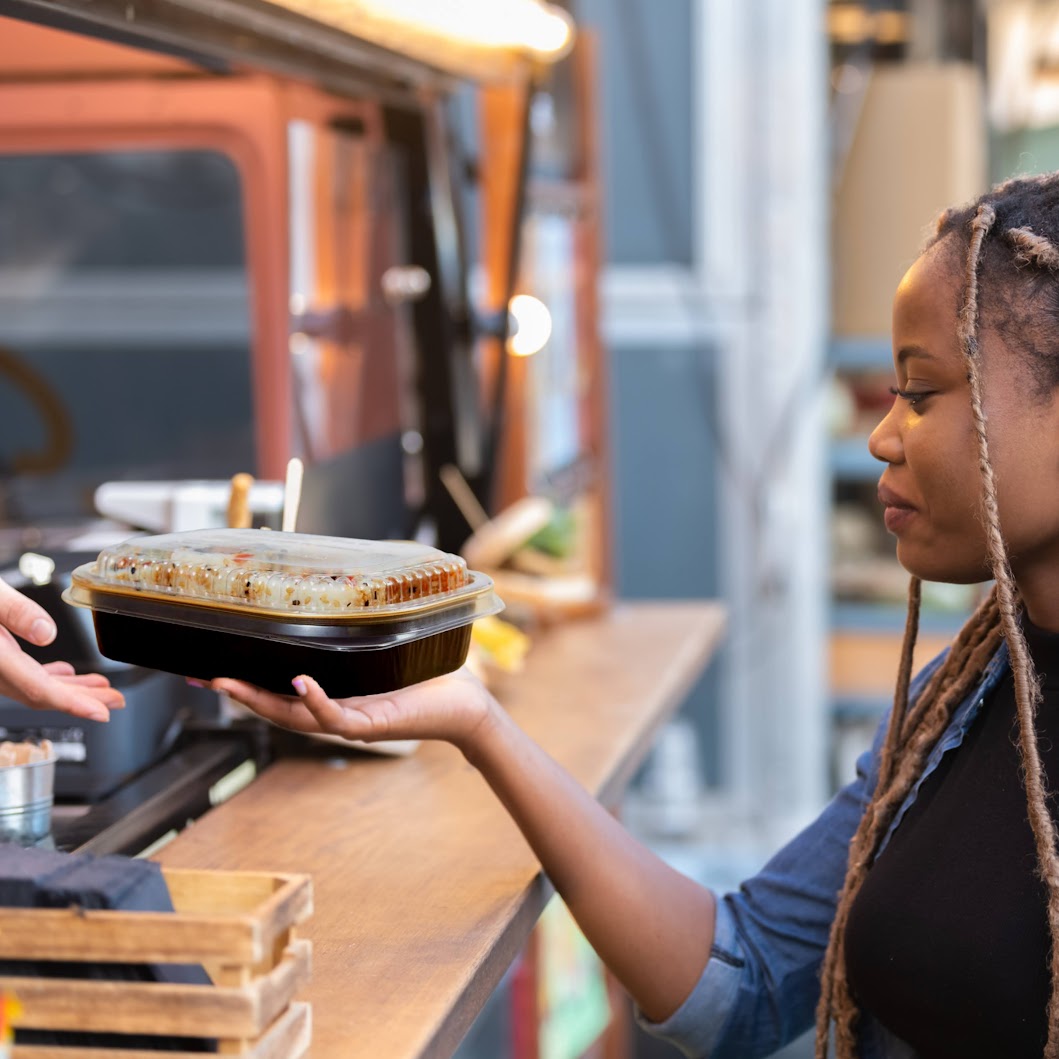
point(899, 512)
point(897, 518)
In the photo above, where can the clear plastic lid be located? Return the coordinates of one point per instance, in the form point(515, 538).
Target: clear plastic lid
point(295, 574)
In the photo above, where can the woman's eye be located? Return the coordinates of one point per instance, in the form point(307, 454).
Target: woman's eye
point(913, 397)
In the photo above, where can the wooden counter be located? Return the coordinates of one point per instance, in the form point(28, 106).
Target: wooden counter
point(863, 665)
point(424, 889)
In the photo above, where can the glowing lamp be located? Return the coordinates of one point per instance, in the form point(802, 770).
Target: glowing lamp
point(531, 325)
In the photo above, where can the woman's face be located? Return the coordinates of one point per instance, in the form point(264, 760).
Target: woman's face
point(932, 487)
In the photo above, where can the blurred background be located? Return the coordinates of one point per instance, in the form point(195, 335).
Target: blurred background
point(636, 270)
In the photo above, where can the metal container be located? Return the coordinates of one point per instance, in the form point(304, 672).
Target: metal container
point(26, 801)
point(93, 759)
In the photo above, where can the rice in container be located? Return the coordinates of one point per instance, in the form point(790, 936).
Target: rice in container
point(362, 617)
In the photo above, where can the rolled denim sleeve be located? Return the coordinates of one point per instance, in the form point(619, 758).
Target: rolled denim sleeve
point(760, 987)
point(697, 1025)
point(761, 983)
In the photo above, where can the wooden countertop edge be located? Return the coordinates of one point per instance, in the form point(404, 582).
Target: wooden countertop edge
point(679, 680)
point(451, 1030)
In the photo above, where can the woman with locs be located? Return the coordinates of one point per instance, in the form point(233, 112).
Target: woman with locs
point(919, 914)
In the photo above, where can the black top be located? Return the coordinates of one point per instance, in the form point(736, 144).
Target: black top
point(947, 943)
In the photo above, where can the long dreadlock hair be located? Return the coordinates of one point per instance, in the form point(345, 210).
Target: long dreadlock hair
point(1011, 240)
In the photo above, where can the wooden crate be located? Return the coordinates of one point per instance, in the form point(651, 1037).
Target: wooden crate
point(239, 926)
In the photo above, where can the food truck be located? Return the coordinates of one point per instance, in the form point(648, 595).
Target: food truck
point(362, 236)
point(229, 238)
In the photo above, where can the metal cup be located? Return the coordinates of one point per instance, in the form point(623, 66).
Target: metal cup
point(26, 796)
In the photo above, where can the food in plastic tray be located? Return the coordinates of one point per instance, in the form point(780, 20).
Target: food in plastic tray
point(361, 616)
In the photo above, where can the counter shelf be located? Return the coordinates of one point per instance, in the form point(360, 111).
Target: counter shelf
point(424, 889)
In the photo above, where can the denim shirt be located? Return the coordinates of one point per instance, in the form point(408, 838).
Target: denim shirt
point(761, 984)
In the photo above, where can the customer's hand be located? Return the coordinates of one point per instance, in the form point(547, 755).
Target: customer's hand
point(54, 685)
point(455, 707)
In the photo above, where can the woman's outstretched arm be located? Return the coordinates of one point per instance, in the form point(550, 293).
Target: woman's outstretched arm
point(650, 924)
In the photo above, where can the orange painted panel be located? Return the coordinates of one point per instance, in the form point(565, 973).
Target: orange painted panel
point(244, 118)
point(28, 50)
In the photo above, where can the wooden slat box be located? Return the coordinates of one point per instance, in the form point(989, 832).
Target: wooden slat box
point(238, 925)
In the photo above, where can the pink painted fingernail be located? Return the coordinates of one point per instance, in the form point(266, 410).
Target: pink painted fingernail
point(195, 683)
point(299, 685)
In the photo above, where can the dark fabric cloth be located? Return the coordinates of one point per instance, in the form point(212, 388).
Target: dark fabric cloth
point(40, 878)
point(45, 878)
point(947, 942)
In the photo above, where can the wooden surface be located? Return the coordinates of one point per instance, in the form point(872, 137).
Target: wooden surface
point(239, 926)
point(424, 890)
point(225, 918)
point(865, 664)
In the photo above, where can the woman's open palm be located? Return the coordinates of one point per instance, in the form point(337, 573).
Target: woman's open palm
point(53, 685)
point(451, 707)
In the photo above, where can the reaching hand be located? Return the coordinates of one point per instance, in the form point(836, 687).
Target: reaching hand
point(54, 685)
point(454, 707)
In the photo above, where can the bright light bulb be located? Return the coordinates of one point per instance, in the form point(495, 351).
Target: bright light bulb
point(539, 28)
point(36, 568)
point(532, 325)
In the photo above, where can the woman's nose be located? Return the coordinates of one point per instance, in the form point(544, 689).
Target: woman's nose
point(885, 440)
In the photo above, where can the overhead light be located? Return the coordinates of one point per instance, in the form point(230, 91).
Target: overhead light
point(36, 568)
point(479, 37)
point(531, 325)
point(539, 28)
point(853, 23)
point(891, 27)
point(848, 23)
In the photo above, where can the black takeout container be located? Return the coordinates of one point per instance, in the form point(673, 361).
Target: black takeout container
point(362, 617)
